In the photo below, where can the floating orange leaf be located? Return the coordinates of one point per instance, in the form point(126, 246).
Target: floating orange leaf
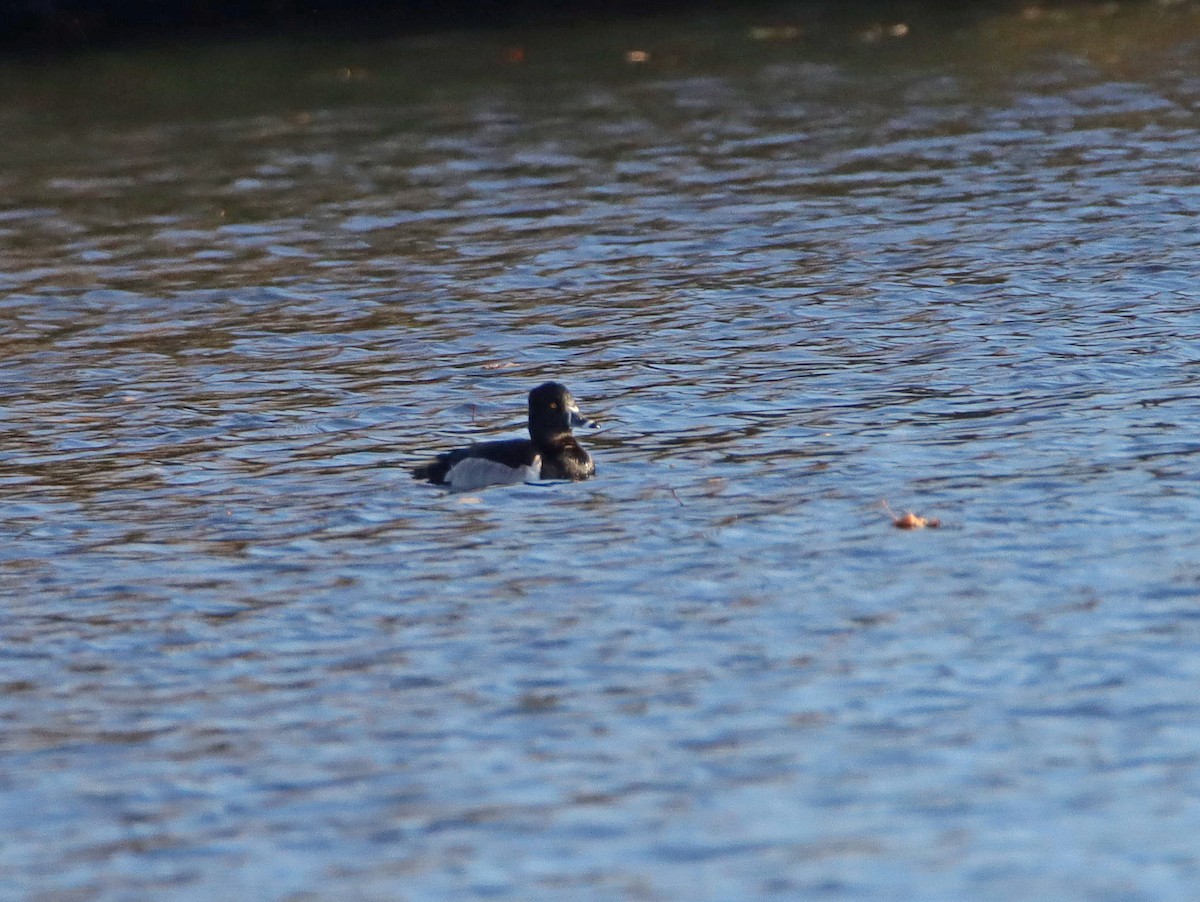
point(909, 520)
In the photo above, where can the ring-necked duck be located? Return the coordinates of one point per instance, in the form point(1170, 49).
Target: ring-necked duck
point(550, 452)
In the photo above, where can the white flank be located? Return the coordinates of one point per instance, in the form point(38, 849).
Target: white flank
point(473, 473)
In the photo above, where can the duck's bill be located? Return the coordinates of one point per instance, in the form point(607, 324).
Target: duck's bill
point(579, 421)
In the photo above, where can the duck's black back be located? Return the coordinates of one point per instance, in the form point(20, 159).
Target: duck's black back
point(514, 453)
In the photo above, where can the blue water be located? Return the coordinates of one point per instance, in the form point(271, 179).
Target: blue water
point(796, 276)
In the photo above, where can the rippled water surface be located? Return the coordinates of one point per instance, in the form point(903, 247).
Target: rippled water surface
point(797, 265)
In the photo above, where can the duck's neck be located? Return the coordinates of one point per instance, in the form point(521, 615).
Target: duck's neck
point(545, 441)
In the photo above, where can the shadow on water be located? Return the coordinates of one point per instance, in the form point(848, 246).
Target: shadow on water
point(798, 263)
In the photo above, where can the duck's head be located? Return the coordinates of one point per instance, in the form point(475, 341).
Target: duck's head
point(552, 411)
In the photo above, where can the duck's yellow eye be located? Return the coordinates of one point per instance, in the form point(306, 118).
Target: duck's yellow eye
point(554, 405)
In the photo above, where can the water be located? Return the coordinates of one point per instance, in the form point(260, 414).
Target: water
point(952, 268)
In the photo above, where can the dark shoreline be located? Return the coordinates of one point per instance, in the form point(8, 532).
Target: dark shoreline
point(67, 24)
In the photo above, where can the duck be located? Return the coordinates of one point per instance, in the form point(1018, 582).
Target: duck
point(550, 453)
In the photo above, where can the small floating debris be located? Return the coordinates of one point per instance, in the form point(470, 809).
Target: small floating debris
point(775, 33)
point(909, 520)
point(877, 33)
point(637, 56)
